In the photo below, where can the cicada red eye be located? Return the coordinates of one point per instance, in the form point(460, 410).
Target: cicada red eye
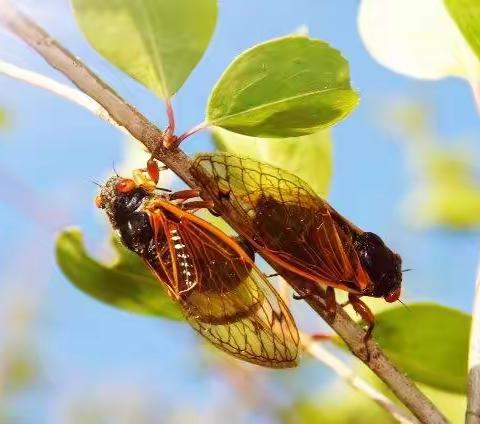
point(153, 170)
point(125, 185)
point(99, 202)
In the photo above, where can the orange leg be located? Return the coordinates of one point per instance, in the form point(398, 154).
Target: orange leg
point(198, 204)
point(364, 311)
point(184, 194)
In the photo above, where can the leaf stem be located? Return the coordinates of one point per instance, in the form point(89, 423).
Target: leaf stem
point(473, 402)
point(152, 137)
point(316, 350)
point(201, 126)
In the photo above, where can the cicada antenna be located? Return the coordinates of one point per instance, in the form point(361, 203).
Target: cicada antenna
point(96, 183)
point(404, 304)
point(408, 269)
point(114, 170)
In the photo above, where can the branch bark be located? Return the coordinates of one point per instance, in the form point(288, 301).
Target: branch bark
point(473, 405)
point(151, 136)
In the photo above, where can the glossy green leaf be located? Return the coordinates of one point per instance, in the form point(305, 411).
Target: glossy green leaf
point(157, 42)
point(126, 284)
point(286, 87)
point(427, 341)
point(466, 13)
point(309, 157)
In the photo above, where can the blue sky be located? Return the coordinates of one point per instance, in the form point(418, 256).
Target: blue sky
point(52, 151)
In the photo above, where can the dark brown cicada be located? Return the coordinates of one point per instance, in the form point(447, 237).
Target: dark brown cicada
point(301, 233)
point(223, 295)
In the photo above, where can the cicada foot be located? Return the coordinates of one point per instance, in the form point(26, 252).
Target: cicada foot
point(302, 296)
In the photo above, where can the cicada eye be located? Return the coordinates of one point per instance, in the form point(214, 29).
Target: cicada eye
point(99, 202)
point(125, 185)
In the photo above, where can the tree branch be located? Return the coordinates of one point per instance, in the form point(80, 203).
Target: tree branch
point(316, 350)
point(473, 406)
point(151, 136)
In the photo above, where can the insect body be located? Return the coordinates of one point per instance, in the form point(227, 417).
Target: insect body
point(300, 232)
point(222, 293)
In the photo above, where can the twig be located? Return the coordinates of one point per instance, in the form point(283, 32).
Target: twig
point(151, 136)
point(62, 90)
point(473, 406)
point(317, 351)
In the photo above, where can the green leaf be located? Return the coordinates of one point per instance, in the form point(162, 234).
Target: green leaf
point(429, 342)
point(466, 14)
point(309, 157)
point(286, 87)
point(126, 284)
point(157, 42)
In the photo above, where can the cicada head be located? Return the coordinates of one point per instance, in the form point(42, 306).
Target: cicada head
point(120, 198)
point(383, 266)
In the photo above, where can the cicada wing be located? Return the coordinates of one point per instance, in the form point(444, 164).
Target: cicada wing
point(288, 221)
point(225, 297)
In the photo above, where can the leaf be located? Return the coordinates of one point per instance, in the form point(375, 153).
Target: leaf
point(466, 13)
point(418, 39)
point(309, 157)
point(126, 284)
point(157, 42)
point(286, 87)
point(429, 342)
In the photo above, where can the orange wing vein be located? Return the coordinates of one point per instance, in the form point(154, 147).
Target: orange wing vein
point(223, 294)
point(292, 226)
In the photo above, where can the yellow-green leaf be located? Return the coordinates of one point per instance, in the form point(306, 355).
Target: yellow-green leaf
point(429, 342)
point(466, 13)
point(157, 42)
point(287, 87)
point(309, 157)
point(126, 284)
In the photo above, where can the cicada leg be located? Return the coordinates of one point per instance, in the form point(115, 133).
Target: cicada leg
point(367, 315)
point(197, 204)
point(184, 194)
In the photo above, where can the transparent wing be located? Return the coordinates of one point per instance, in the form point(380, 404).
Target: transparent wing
point(288, 222)
point(223, 295)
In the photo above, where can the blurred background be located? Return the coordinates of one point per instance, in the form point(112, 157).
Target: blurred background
point(403, 168)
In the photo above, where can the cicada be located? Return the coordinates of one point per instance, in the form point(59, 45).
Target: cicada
point(222, 293)
point(300, 232)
